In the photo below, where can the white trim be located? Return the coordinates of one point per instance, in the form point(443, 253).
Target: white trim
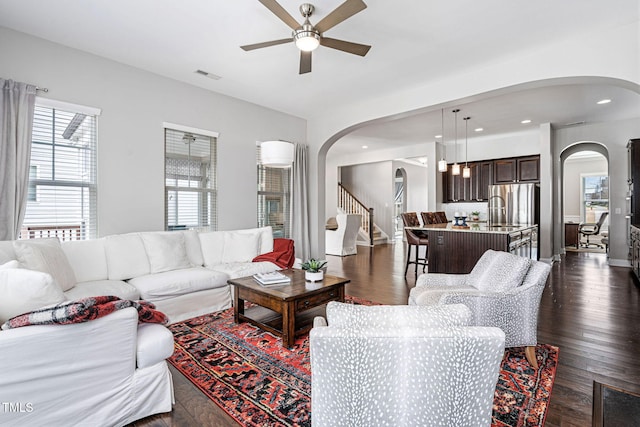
point(68, 106)
point(619, 262)
point(182, 128)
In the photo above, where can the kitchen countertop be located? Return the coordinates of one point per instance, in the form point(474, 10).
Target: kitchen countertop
point(477, 228)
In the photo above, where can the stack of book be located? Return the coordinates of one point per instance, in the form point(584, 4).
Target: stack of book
point(273, 278)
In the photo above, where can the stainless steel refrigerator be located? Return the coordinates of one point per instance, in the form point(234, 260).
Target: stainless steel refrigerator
point(513, 204)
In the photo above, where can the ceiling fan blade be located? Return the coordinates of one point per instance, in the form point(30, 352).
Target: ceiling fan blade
point(279, 11)
point(349, 47)
point(344, 11)
point(305, 62)
point(265, 44)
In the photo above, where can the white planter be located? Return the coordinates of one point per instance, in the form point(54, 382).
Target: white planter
point(314, 277)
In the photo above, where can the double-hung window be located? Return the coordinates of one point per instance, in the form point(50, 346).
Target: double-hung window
point(62, 193)
point(190, 179)
point(274, 198)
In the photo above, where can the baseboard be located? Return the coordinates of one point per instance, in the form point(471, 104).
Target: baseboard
point(619, 262)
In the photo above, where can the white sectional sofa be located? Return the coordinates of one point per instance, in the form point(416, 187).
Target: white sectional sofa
point(112, 370)
point(184, 273)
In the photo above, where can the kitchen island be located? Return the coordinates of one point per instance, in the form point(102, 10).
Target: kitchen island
point(456, 250)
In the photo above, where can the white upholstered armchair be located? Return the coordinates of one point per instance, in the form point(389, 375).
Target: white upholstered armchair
point(502, 290)
point(342, 241)
point(402, 366)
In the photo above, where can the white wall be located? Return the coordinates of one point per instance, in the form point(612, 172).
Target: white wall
point(134, 105)
point(608, 56)
point(573, 169)
point(614, 137)
point(373, 185)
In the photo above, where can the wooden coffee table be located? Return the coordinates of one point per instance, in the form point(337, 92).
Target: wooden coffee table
point(285, 310)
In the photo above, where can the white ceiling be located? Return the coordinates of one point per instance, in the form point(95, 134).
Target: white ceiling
point(413, 42)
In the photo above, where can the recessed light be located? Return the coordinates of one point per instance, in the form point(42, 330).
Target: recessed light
point(479, 129)
point(526, 121)
point(365, 146)
point(438, 136)
point(603, 101)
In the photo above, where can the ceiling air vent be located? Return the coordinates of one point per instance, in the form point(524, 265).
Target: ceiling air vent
point(208, 75)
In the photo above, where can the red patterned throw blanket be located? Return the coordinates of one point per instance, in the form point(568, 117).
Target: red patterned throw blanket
point(85, 309)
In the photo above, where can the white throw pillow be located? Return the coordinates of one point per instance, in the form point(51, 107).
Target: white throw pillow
point(265, 238)
point(126, 257)
point(212, 245)
point(26, 290)
point(166, 251)
point(505, 272)
point(194, 252)
point(240, 247)
point(46, 255)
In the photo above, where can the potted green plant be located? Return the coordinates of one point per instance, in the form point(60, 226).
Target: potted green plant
point(313, 269)
point(475, 215)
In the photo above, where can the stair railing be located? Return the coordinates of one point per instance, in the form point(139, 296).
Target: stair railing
point(351, 205)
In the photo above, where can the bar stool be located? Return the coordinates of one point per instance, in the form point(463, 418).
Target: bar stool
point(414, 238)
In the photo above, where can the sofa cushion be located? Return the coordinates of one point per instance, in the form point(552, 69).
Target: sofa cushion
point(352, 316)
point(10, 264)
point(178, 282)
point(46, 255)
point(192, 244)
point(6, 251)
point(504, 271)
point(87, 258)
point(244, 269)
point(212, 245)
point(166, 251)
point(240, 247)
point(25, 290)
point(265, 238)
point(126, 256)
point(94, 288)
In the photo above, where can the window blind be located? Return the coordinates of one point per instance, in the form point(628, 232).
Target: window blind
point(274, 198)
point(62, 196)
point(190, 181)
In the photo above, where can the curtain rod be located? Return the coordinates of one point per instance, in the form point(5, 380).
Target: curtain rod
point(43, 89)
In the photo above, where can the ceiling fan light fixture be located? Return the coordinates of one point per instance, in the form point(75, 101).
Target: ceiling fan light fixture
point(307, 41)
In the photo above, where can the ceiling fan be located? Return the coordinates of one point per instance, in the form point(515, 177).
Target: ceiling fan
point(308, 37)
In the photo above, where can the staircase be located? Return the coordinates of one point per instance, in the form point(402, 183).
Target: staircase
point(369, 234)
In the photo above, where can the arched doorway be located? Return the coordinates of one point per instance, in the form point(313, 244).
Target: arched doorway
point(585, 195)
point(399, 201)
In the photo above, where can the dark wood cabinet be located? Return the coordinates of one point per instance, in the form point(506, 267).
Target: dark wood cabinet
point(633, 179)
point(634, 250)
point(518, 169)
point(455, 188)
point(481, 179)
point(504, 171)
point(571, 235)
point(484, 173)
point(528, 169)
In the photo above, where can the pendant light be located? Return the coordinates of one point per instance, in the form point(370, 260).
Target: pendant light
point(466, 171)
point(455, 169)
point(276, 154)
point(442, 163)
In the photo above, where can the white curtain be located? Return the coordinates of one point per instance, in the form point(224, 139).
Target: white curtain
point(17, 103)
point(300, 203)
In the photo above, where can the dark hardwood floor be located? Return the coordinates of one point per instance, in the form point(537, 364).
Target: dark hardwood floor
point(590, 310)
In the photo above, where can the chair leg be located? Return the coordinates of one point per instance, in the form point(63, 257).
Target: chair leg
point(530, 353)
point(406, 268)
point(417, 260)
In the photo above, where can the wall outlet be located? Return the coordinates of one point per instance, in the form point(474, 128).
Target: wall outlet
point(440, 240)
point(618, 211)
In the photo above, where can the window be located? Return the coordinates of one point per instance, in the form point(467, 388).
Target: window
point(274, 198)
point(61, 200)
point(190, 180)
point(595, 196)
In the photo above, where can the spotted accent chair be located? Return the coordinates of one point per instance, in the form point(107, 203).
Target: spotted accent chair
point(402, 366)
point(502, 290)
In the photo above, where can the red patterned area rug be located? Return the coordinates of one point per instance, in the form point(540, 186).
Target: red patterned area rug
point(248, 374)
